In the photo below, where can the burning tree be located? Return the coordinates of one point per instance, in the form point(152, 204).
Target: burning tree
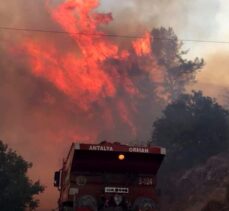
point(104, 80)
point(90, 81)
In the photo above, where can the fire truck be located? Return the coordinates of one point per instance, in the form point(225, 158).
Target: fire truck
point(109, 176)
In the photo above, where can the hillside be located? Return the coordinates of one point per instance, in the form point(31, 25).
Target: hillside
point(203, 188)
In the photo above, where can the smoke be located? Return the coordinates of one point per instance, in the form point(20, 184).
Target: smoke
point(40, 116)
point(214, 78)
point(189, 19)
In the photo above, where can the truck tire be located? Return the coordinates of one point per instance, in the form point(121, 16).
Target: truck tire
point(112, 209)
point(86, 201)
point(144, 204)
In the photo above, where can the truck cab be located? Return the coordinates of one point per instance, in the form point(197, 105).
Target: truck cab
point(109, 176)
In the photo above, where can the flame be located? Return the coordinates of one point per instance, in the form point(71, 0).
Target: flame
point(142, 45)
point(100, 72)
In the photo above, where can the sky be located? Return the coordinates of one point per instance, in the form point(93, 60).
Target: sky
point(24, 117)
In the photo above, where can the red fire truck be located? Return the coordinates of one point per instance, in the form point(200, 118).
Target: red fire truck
point(109, 176)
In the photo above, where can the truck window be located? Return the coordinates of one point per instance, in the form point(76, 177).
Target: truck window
point(97, 161)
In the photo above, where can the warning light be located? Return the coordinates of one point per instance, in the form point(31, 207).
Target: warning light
point(121, 157)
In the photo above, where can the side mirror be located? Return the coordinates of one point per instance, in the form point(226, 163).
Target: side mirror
point(57, 178)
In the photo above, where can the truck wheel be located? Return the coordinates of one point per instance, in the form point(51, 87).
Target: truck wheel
point(66, 209)
point(86, 202)
point(144, 204)
point(66, 206)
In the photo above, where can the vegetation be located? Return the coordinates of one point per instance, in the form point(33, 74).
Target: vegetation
point(215, 205)
point(17, 190)
point(170, 56)
point(192, 128)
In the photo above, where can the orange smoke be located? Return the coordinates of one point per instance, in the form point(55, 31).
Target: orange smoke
point(100, 72)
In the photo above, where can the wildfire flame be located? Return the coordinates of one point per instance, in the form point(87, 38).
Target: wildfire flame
point(100, 74)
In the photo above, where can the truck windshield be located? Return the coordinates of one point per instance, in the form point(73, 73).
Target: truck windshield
point(109, 161)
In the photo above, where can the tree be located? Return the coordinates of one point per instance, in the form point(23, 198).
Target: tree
point(178, 71)
point(226, 98)
point(192, 128)
point(17, 190)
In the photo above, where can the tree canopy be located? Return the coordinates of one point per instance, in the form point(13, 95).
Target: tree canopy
point(192, 128)
point(179, 71)
point(17, 190)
